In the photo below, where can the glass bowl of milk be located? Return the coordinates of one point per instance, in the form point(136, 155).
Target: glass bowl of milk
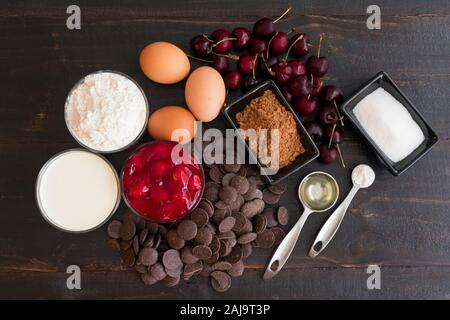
point(77, 190)
point(390, 124)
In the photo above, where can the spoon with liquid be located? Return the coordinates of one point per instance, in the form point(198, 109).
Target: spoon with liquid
point(317, 192)
point(362, 177)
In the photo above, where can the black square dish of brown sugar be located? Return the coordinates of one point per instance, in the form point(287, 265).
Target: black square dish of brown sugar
point(310, 150)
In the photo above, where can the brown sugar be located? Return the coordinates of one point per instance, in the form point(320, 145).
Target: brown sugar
point(266, 112)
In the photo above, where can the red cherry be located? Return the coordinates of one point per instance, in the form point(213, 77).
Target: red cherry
point(195, 183)
point(220, 63)
point(159, 194)
point(300, 86)
point(306, 106)
point(298, 68)
point(328, 155)
point(279, 42)
point(317, 86)
point(243, 36)
point(222, 39)
point(201, 46)
point(317, 66)
point(257, 45)
point(247, 64)
point(159, 169)
point(283, 73)
point(233, 80)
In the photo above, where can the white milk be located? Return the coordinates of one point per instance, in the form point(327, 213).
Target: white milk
point(78, 190)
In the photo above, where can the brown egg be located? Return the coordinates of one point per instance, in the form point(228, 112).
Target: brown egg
point(172, 123)
point(205, 93)
point(164, 62)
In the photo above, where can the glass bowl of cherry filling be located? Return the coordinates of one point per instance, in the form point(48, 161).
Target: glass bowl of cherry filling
point(161, 181)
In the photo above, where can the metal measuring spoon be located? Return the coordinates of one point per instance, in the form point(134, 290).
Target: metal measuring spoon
point(314, 199)
point(362, 177)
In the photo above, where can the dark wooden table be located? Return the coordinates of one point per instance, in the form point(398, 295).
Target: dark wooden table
point(401, 223)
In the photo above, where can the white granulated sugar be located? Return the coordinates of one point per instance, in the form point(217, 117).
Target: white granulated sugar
point(106, 111)
point(389, 124)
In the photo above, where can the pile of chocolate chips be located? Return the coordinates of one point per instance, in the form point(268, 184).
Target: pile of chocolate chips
point(232, 217)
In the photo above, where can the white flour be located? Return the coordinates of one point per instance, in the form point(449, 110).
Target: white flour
point(106, 111)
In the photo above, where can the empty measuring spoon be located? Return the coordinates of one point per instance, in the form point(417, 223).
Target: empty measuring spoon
point(317, 192)
point(362, 177)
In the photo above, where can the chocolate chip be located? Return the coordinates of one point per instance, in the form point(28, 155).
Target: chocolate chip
point(220, 281)
point(213, 259)
point(260, 223)
point(282, 216)
point(175, 272)
point(193, 269)
point(246, 250)
point(256, 180)
point(125, 244)
point(271, 219)
point(163, 230)
point(222, 266)
point(202, 252)
point(214, 245)
point(143, 235)
point(187, 229)
point(171, 281)
point(249, 209)
point(174, 240)
point(148, 279)
point(114, 244)
point(204, 236)
point(207, 269)
point(228, 194)
point(246, 238)
point(206, 205)
point(235, 255)
point(242, 171)
point(136, 244)
point(128, 257)
point(278, 233)
point(227, 178)
point(152, 227)
point(127, 230)
point(114, 229)
point(278, 188)
point(215, 174)
point(148, 256)
point(187, 256)
point(212, 193)
point(199, 216)
point(237, 269)
point(171, 259)
point(157, 271)
point(265, 239)
point(157, 241)
point(240, 183)
point(251, 193)
point(239, 221)
point(226, 235)
point(227, 224)
point(231, 167)
point(140, 268)
point(221, 205)
point(270, 197)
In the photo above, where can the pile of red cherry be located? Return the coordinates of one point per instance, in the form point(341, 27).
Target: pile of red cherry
point(265, 54)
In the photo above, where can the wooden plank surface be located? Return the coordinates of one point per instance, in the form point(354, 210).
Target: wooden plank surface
point(401, 223)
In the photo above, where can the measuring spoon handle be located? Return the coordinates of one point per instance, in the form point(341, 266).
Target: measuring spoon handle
point(285, 248)
point(331, 226)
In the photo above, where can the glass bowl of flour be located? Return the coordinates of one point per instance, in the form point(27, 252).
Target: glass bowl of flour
point(106, 111)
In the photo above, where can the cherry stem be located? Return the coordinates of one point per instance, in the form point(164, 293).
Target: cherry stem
point(339, 114)
point(280, 17)
point(340, 156)
point(268, 45)
point(223, 40)
point(207, 38)
point(290, 31)
point(267, 67)
point(292, 44)
point(199, 59)
point(312, 79)
point(254, 66)
point(320, 44)
point(331, 136)
point(229, 56)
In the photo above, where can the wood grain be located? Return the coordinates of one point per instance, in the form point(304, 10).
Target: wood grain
point(401, 223)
